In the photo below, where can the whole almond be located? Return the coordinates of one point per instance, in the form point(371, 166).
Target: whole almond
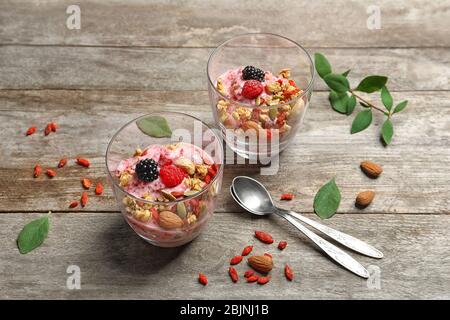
point(261, 264)
point(169, 220)
point(364, 198)
point(371, 169)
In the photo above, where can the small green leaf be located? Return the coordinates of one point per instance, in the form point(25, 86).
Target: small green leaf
point(345, 74)
point(154, 126)
point(387, 131)
point(323, 67)
point(338, 101)
point(362, 120)
point(386, 98)
point(327, 200)
point(351, 104)
point(337, 82)
point(33, 235)
point(400, 106)
point(371, 84)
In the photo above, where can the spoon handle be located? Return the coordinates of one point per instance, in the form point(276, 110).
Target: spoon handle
point(331, 250)
point(344, 239)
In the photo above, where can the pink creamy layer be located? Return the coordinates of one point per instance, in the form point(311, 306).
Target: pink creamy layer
point(159, 153)
point(233, 83)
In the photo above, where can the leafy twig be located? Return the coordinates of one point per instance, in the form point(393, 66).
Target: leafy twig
point(343, 98)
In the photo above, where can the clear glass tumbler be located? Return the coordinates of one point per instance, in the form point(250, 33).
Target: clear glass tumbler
point(274, 122)
point(195, 209)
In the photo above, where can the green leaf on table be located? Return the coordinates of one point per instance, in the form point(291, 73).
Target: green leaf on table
point(386, 98)
point(323, 67)
point(371, 84)
point(387, 131)
point(362, 120)
point(400, 106)
point(351, 104)
point(154, 126)
point(327, 200)
point(345, 74)
point(337, 82)
point(33, 235)
point(338, 101)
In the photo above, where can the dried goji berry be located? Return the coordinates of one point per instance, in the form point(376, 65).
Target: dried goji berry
point(247, 250)
point(202, 279)
point(252, 279)
point(86, 183)
point(83, 162)
point(288, 272)
point(73, 204)
point(155, 213)
point(211, 171)
point(263, 236)
point(263, 280)
point(50, 173)
point(31, 130)
point(84, 199)
point(177, 194)
point(282, 245)
point(207, 178)
point(287, 196)
point(48, 129)
point(37, 171)
point(62, 162)
point(236, 260)
point(53, 126)
point(233, 274)
point(98, 188)
point(249, 273)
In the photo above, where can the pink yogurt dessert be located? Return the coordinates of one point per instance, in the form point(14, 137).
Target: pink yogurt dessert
point(258, 100)
point(178, 183)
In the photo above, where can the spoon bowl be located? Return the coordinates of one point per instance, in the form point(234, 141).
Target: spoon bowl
point(252, 196)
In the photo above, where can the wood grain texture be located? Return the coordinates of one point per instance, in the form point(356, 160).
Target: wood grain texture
point(49, 67)
point(200, 23)
point(416, 165)
point(115, 263)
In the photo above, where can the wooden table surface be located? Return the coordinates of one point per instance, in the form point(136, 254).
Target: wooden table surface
point(133, 57)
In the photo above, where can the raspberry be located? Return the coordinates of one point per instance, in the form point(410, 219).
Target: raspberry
point(171, 175)
point(252, 89)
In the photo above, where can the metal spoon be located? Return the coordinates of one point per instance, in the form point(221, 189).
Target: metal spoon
point(253, 197)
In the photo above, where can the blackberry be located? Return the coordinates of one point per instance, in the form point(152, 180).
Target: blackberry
point(147, 170)
point(252, 73)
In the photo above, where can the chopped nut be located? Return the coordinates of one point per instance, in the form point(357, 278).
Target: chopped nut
point(244, 113)
point(274, 87)
point(191, 218)
point(186, 164)
point(285, 73)
point(138, 152)
point(201, 170)
point(235, 115)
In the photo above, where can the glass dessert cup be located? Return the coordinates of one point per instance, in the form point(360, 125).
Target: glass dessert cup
point(264, 126)
point(166, 216)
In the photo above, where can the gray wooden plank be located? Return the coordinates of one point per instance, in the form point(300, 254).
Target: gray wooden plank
point(197, 23)
point(416, 165)
point(25, 67)
point(115, 263)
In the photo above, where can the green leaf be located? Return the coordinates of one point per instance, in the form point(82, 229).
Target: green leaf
point(400, 106)
point(337, 82)
point(327, 200)
point(371, 84)
point(345, 74)
point(362, 120)
point(154, 126)
point(338, 101)
point(33, 235)
point(351, 104)
point(387, 131)
point(323, 67)
point(386, 98)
